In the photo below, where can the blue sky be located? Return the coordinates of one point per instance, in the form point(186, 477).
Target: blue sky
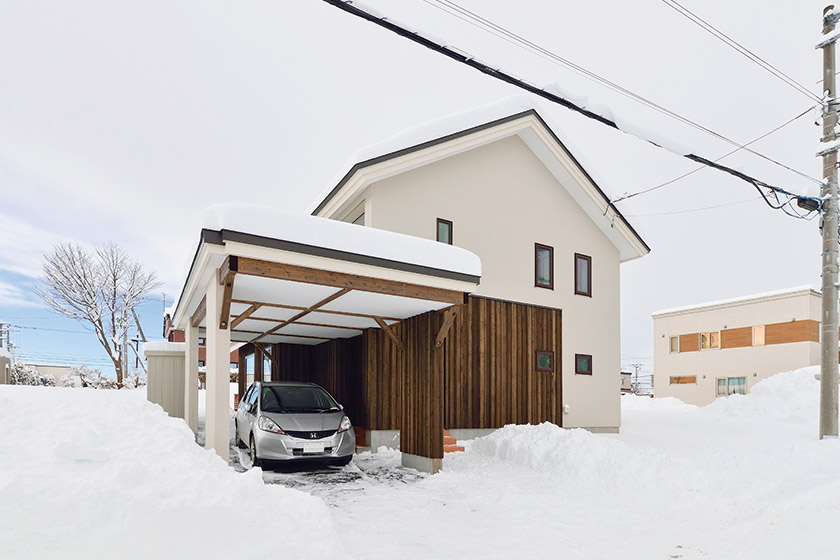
point(122, 122)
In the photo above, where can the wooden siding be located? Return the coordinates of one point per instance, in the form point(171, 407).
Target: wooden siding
point(806, 330)
point(686, 379)
point(489, 360)
point(736, 338)
point(383, 366)
point(690, 342)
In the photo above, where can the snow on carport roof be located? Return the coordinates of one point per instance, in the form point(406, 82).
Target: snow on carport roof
point(311, 231)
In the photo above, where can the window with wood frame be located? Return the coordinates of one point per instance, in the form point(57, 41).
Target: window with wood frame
point(444, 231)
point(583, 275)
point(709, 340)
point(683, 380)
point(758, 335)
point(545, 361)
point(731, 386)
point(583, 364)
point(543, 266)
point(675, 344)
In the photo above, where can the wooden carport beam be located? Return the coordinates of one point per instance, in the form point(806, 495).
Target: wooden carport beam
point(294, 273)
point(227, 273)
point(244, 315)
point(200, 313)
point(444, 328)
point(261, 347)
point(386, 328)
point(305, 312)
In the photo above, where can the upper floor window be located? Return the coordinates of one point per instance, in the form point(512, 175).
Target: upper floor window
point(543, 266)
point(709, 340)
point(444, 231)
point(583, 275)
point(360, 221)
point(758, 335)
point(583, 364)
point(675, 344)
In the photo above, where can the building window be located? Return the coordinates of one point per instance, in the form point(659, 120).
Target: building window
point(360, 221)
point(758, 335)
point(709, 340)
point(731, 386)
point(583, 364)
point(545, 361)
point(200, 363)
point(202, 341)
point(675, 344)
point(544, 266)
point(444, 231)
point(683, 380)
point(583, 275)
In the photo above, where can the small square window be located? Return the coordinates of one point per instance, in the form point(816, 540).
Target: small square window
point(709, 340)
point(544, 266)
point(583, 275)
point(545, 361)
point(583, 364)
point(202, 341)
point(444, 231)
point(200, 363)
point(675, 344)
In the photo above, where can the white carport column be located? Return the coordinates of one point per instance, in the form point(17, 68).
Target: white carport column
point(217, 433)
point(191, 377)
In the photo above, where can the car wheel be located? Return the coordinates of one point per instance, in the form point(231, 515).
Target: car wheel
point(255, 461)
point(239, 443)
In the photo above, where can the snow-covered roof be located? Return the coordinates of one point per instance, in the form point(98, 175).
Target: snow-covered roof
point(778, 294)
point(351, 239)
point(164, 347)
point(477, 120)
point(5, 353)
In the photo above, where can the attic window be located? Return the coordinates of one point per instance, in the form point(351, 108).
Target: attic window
point(444, 231)
point(583, 275)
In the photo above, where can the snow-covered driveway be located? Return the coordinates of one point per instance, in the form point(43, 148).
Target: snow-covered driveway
point(98, 471)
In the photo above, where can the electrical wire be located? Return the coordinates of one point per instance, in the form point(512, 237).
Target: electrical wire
point(771, 198)
point(696, 169)
point(499, 31)
point(694, 209)
point(691, 16)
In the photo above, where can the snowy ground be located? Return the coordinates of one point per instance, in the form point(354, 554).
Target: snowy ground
point(85, 473)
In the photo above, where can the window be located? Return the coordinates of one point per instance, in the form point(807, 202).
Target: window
point(758, 335)
point(544, 266)
point(675, 344)
point(360, 221)
point(683, 380)
point(709, 340)
point(200, 363)
point(444, 231)
point(545, 361)
point(583, 364)
point(202, 341)
point(731, 386)
point(583, 275)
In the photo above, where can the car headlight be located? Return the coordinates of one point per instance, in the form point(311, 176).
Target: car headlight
point(269, 425)
point(345, 424)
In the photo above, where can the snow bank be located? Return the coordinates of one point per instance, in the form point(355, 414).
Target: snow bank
point(106, 474)
point(340, 236)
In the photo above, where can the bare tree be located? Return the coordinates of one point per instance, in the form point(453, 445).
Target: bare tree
point(99, 288)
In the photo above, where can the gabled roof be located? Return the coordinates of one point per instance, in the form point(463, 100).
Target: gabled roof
point(446, 137)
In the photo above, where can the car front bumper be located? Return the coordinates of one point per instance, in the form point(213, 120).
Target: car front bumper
point(283, 447)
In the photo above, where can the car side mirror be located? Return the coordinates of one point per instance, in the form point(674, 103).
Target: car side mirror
point(341, 407)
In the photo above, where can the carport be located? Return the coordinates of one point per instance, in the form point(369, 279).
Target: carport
point(271, 279)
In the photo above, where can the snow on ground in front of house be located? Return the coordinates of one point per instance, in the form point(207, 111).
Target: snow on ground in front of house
point(84, 472)
point(105, 474)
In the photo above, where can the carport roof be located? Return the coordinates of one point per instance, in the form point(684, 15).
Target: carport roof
point(301, 279)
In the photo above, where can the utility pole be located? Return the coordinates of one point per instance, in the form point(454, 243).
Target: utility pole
point(637, 367)
point(831, 243)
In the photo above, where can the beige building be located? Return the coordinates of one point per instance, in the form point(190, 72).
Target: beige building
point(509, 191)
point(716, 349)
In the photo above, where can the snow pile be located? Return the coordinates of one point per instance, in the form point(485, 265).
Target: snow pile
point(792, 397)
point(340, 236)
point(99, 474)
point(164, 347)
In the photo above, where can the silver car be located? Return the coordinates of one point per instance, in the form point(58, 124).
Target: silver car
point(289, 421)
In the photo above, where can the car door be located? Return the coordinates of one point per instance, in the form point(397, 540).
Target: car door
point(242, 420)
point(250, 411)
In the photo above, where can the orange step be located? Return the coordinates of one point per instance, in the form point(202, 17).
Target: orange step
point(452, 448)
point(449, 440)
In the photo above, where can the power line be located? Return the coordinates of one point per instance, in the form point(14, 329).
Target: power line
point(696, 169)
point(694, 209)
point(470, 61)
point(682, 10)
point(499, 31)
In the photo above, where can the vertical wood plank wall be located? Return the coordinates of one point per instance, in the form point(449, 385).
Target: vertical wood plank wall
point(483, 376)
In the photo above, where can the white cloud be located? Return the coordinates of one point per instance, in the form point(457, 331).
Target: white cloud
point(15, 296)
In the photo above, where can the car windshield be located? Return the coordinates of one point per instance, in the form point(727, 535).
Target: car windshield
point(296, 399)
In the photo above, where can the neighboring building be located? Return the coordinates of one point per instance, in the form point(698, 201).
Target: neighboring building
point(58, 372)
point(711, 350)
point(174, 335)
point(626, 382)
point(5, 367)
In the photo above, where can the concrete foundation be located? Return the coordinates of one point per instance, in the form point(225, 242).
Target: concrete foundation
point(422, 464)
point(602, 430)
point(470, 433)
point(383, 438)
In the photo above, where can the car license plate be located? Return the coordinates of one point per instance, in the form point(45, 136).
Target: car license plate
point(314, 447)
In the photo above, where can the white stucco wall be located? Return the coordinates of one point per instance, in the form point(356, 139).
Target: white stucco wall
point(502, 200)
point(754, 362)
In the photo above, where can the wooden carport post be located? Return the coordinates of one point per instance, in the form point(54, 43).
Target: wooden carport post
point(219, 293)
point(421, 421)
point(191, 376)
